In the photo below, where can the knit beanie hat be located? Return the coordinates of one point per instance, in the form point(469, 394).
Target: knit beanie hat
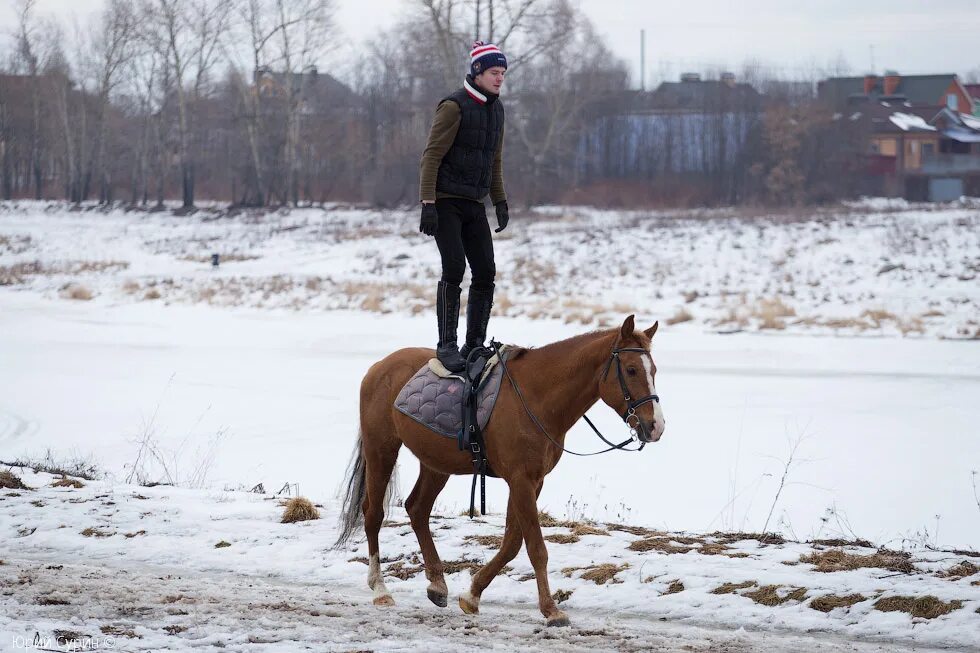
point(485, 55)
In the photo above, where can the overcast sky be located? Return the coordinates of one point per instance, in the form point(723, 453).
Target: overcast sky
point(911, 36)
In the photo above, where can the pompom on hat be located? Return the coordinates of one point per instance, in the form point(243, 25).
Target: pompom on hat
point(485, 55)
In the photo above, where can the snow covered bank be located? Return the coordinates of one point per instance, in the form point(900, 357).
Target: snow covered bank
point(866, 269)
point(176, 569)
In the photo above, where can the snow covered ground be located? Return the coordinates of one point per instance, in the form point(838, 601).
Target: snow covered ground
point(249, 373)
point(874, 268)
point(124, 567)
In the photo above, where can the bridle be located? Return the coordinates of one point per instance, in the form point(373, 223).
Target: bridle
point(631, 405)
point(627, 415)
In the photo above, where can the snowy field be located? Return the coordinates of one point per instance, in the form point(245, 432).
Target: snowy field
point(116, 335)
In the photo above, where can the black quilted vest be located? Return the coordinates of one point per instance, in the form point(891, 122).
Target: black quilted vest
point(468, 165)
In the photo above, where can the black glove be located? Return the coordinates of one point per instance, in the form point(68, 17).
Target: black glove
point(502, 216)
point(430, 220)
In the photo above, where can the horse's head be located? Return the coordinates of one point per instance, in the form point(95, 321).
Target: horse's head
point(627, 382)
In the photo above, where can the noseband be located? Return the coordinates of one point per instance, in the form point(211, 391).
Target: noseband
point(631, 405)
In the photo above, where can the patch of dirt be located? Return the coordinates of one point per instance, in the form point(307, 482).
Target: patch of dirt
point(828, 602)
point(51, 600)
point(839, 560)
point(928, 607)
point(95, 532)
point(222, 544)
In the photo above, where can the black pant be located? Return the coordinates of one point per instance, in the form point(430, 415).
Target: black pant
point(464, 235)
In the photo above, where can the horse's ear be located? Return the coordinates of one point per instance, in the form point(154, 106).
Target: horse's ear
point(628, 326)
point(652, 330)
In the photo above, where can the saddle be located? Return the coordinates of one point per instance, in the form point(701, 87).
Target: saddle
point(458, 405)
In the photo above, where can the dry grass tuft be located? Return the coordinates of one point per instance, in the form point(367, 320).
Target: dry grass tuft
point(299, 509)
point(95, 532)
point(10, 481)
point(636, 530)
point(562, 538)
point(962, 570)
point(927, 607)
point(840, 560)
point(731, 588)
point(77, 292)
point(761, 538)
point(586, 529)
point(152, 294)
point(674, 587)
point(599, 574)
point(491, 541)
point(222, 545)
point(840, 542)
point(560, 596)
point(662, 544)
point(681, 316)
point(64, 481)
point(130, 536)
point(828, 602)
point(769, 595)
point(120, 631)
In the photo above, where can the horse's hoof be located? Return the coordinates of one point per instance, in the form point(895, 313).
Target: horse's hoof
point(440, 599)
point(384, 600)
point(560, 619)
point(468, 606)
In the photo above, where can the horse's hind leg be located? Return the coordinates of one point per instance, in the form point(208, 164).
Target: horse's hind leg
point(379, 462)
point(419, 507)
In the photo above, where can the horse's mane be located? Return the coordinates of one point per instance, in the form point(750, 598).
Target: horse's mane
point(518, 351)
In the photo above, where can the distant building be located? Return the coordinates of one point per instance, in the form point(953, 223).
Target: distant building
point(689, 126)
point(923, 140)
point(974, 91)
point(849, 93)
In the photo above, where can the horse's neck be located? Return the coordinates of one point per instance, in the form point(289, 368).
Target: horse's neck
point(565, 380)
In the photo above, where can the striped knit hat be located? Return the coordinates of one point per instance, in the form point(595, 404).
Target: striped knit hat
point(485, 55)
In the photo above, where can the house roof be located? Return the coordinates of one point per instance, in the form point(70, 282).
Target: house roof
point(917, 89)
point(701, 95)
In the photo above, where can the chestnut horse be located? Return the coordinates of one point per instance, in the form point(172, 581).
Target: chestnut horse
point(558, 383)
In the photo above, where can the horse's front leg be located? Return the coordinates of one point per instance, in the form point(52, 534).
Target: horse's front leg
point(509, 548)
point(523, 498)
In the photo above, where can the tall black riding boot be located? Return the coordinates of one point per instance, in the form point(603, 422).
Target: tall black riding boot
point(478, 307)
point(447, 312)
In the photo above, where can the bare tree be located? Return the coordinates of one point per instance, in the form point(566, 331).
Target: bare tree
point(188, 32)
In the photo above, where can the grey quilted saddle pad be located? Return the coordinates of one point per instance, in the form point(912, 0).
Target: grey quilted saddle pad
point(437, 402)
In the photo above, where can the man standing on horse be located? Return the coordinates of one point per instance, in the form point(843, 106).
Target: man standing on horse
point(461, 165)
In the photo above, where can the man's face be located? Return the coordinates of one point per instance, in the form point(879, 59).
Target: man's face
point(491, 79)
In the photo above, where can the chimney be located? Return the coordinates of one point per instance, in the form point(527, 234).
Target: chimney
point(690, 77)
point(892, 80)
point(869, 83)
point(728, 79)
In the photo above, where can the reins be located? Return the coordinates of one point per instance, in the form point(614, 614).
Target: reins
point(630, 410)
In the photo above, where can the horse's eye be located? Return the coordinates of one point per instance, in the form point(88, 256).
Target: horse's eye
point(631, 371)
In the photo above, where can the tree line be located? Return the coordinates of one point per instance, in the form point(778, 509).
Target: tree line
point(234, 100)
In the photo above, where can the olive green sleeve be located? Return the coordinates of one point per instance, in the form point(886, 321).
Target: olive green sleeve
point(441, 137)
point(497, 179)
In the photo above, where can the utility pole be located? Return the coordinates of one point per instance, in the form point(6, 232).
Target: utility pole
point(643, 60)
